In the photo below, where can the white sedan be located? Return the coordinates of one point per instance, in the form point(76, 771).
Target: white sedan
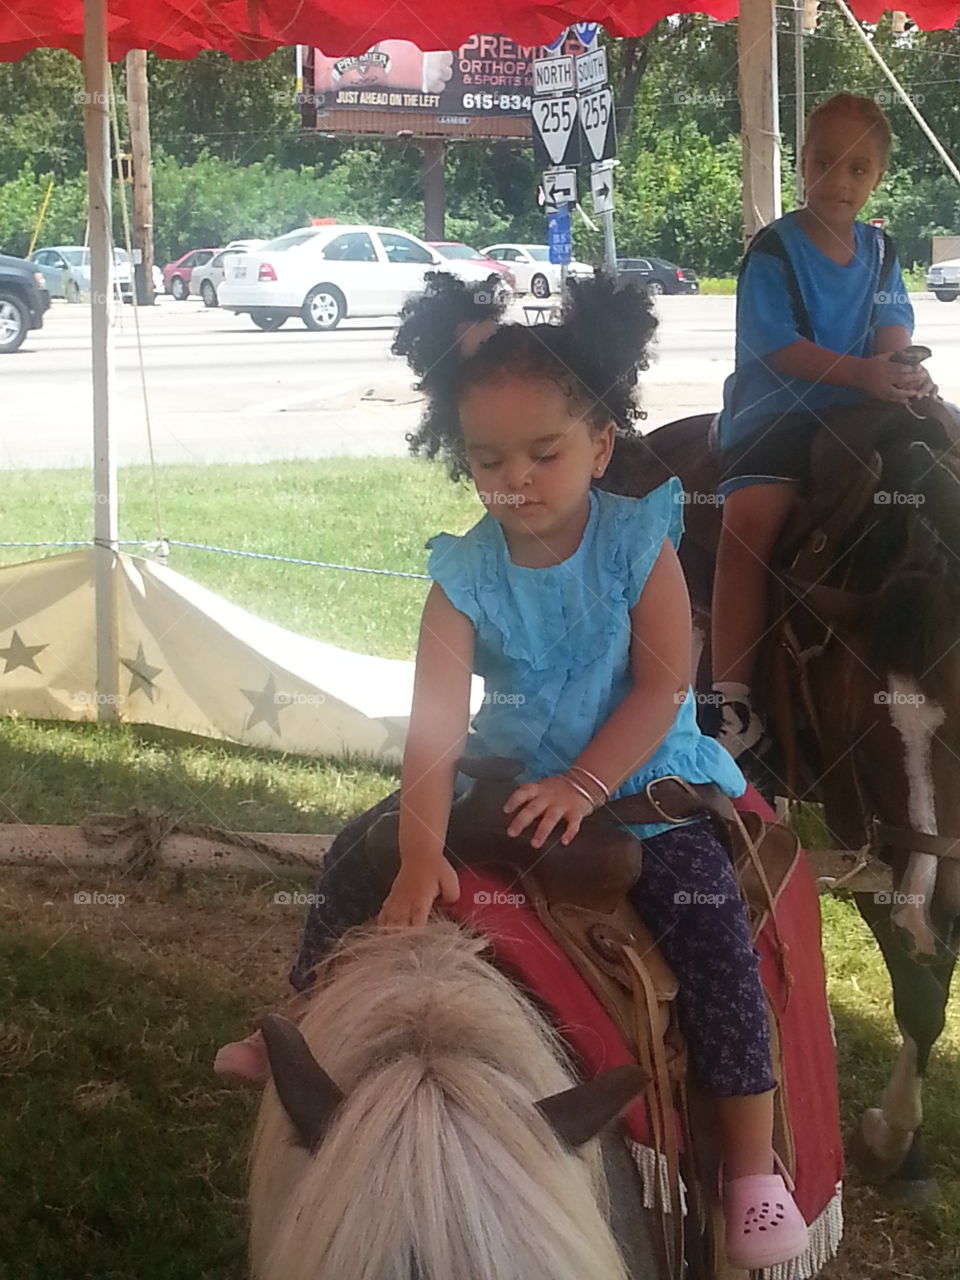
point(944, 280)
point(325, 273)
point(532, 268)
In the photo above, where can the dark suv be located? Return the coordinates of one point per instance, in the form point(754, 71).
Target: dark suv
point(659, 276)
point(23, 300)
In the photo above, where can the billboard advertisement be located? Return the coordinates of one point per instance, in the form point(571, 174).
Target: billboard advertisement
point(488, 77)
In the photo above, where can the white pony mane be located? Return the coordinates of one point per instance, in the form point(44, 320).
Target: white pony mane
point(438, 1165)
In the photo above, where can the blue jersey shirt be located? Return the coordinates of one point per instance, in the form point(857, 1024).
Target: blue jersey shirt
point(845, 310)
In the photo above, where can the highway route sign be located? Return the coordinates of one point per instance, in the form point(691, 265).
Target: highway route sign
point(596, 122)
point(553, 75)
point(591, 69)
point(556, 141)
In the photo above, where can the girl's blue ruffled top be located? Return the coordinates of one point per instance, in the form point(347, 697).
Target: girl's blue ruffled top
point(553, 644)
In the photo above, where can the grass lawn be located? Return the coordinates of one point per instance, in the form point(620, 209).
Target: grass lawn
point(120, 1155)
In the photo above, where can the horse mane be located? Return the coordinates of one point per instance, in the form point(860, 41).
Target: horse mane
point(438, 1164)
point(908, 561)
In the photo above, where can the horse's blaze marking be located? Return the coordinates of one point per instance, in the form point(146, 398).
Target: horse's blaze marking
point(917, 718)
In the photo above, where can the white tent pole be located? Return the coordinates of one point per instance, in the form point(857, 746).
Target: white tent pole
point(759, 113)
point(105, 528)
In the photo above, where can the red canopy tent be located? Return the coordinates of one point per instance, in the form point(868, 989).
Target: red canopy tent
point(254, 28)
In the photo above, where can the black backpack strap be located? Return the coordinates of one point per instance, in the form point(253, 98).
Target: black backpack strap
point(768, 241)
point(888, 256)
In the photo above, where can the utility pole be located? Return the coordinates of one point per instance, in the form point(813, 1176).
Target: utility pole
point(138, 111)
point(800, 80)
point(759, 114)
point(434, 194)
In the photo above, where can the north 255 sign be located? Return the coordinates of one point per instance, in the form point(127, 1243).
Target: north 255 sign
point(488, 75)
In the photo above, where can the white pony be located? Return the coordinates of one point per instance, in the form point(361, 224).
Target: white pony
point(449, 1141)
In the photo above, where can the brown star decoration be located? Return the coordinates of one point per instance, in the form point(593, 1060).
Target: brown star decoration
point(141, 674)
point(18, 654)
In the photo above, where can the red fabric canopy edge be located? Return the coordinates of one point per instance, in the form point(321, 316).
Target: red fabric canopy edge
point(247, 29)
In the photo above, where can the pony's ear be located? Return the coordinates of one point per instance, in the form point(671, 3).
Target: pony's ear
point(578, 1114)
point(309, 1096)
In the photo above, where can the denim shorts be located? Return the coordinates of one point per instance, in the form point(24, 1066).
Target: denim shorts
point(777, 452)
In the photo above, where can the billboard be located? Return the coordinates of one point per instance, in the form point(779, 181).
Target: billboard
point(489, 78)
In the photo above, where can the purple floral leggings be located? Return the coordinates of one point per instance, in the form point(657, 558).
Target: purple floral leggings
point(688, 898)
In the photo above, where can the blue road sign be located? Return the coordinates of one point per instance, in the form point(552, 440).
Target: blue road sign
point(558, 235)
point(557, 41)
point(586, 32)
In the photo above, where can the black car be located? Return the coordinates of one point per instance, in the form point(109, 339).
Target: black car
point(23, 300)
point(659, 276)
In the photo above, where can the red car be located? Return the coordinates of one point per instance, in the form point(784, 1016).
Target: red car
point(176, 275)
point(457, 249)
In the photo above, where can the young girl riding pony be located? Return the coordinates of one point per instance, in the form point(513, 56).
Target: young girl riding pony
point(571, 603)
point(821, 308)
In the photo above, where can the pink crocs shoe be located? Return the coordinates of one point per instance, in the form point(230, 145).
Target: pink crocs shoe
point(763, 1224)
point(244, 1061)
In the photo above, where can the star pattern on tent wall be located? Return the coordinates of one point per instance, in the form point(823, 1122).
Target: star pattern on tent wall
point(265, 706)
point(141, 674)
point(17, 654)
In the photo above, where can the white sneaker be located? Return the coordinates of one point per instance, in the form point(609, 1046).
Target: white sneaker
point(741, 729)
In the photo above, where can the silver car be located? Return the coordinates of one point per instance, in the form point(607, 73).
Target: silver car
point(66, 268)
point(205, 281)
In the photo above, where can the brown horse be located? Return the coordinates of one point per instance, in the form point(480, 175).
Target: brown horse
point(862, 681)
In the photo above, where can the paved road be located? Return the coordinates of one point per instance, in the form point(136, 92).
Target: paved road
point(220, 390)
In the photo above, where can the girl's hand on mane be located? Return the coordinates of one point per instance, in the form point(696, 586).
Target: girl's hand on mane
point(552, 800)
point(416, 888)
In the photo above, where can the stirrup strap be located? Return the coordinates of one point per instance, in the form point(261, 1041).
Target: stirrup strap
point(662, 1120)
point(753, 853)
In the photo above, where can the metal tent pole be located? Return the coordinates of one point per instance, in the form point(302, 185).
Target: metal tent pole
point(96, 122)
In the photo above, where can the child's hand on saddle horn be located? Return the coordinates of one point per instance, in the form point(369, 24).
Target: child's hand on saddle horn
point(415, 889)
point(551, 800)
point(886, 379)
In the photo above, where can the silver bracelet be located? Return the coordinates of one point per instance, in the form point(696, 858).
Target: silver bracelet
point(593, 778)
point(583, 791)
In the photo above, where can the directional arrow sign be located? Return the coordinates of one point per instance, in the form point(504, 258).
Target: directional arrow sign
point(555, 140)
point(596, 121)
point(560, 186)
point(601, 188)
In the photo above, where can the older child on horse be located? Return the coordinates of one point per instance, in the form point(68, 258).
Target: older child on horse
point(571, 603)
point(821, 308)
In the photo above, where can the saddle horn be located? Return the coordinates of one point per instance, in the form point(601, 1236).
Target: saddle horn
point(576, 1115)
point(308, 1095)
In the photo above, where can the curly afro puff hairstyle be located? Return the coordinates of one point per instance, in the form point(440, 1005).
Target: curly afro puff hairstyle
point(595, 354)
